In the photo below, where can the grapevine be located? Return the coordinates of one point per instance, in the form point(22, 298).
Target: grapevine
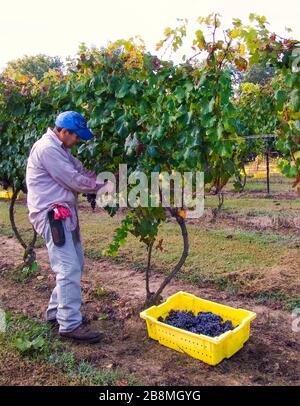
point(155, 115)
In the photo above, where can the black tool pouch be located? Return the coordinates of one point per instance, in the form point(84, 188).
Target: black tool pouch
point(57, 229)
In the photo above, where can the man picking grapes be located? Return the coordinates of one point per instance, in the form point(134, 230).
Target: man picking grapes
point(54, 177)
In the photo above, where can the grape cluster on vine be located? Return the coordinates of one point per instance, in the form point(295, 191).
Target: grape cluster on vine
point(91, 198)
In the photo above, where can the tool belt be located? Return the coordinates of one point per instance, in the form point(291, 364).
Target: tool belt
point(57, 229)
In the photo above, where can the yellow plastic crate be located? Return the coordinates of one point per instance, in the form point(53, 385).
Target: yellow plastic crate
point(5, 194)
point(211, 350)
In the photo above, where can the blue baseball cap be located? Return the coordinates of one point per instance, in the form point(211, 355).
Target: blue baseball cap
point(74, 122)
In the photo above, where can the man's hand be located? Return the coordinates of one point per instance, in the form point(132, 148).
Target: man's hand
point(90, 174)
point(108, 186)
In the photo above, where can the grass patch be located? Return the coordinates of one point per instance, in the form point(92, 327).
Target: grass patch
point(211, 255)
point(243, 203)
point(277, 296)
point(36, 340)
point(278, 184)
point(214, 254)
point(21, 218)
point(26, 273)
point(21, 275)
point(250, 237)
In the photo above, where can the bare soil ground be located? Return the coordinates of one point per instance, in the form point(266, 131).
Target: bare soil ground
point(18, 371)
point(270, 357)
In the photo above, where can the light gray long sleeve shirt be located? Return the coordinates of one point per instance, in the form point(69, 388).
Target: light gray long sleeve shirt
point(54, 176)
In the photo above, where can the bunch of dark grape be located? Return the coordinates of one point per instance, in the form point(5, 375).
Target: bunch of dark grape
point(206, 323)
point(91, 198)
point(5, 184)
point(24, 187)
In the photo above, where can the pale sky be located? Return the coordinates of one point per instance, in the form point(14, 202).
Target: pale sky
point(57, 27)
